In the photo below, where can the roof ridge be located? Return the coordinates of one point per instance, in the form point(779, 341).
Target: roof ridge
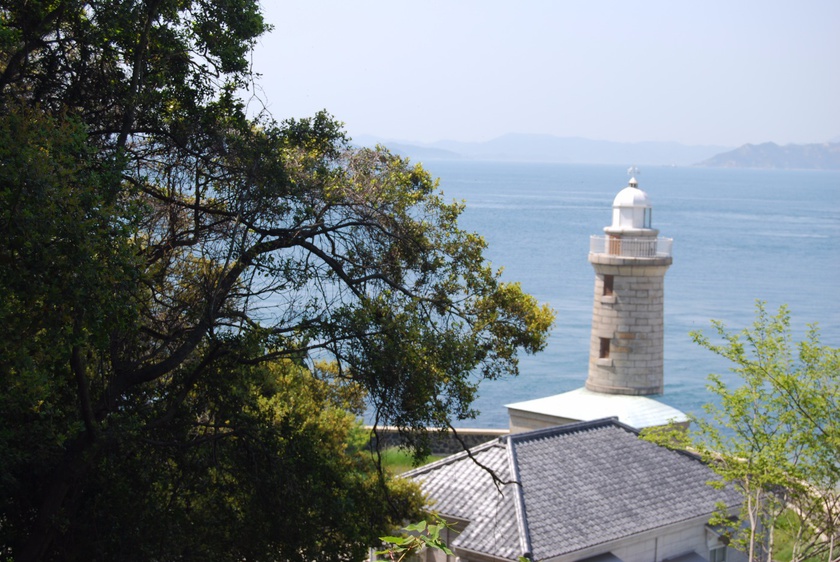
point(570, 428)
point(504, 440)
point(523, 529)
point(519, 503)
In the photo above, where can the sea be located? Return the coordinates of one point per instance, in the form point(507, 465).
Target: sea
point(740, 236)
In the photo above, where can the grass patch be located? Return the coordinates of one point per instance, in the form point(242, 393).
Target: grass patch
point(396, 460)
point(785, 536)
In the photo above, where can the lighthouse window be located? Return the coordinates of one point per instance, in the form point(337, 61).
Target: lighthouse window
point(608, 285)
point(605, 348)
point(648, 217)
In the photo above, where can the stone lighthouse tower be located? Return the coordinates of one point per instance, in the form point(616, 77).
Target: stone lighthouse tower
point(630, 261)
point(626, 342)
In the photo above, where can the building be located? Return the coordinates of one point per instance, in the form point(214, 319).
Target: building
point(590, 491)
point(627, 339)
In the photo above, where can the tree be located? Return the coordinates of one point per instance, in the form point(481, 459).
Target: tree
point(417, 538)
point(174, 273)
point(776, 437)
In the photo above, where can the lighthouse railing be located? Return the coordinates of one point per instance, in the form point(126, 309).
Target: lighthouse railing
point(631, 247)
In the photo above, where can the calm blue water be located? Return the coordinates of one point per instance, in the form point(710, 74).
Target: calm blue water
point(739, 235)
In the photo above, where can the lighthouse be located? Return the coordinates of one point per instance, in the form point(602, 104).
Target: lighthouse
point(626, 349)
point(630, 261)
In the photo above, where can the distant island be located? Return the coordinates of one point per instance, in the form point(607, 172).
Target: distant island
point(575, 150)
point(770, 155)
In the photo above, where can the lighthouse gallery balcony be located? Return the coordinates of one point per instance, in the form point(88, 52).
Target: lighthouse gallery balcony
point(642, 247)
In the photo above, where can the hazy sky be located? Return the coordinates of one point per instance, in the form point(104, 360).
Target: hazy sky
point(702, 72)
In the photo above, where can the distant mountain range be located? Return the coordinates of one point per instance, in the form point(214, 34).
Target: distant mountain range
point(824, 156)
point(575, 150)
point(548, 148)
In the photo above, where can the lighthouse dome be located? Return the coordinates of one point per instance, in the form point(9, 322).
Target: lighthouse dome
point(631, 197)
point(631, 209)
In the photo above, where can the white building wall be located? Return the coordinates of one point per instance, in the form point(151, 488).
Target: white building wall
point(655, 546)
point(690, 537)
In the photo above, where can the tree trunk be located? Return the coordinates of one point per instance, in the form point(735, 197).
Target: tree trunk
point(66, 479)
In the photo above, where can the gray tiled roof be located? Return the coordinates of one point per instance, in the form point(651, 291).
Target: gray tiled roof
point(582, 485)
point(464, 488)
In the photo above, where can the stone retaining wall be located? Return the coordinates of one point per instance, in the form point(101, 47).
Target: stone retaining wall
point(443, 442)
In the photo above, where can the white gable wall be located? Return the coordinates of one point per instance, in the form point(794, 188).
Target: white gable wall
point(656, 546)
point(680, 539)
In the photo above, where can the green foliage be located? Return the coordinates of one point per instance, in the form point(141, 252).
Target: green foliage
point(418, 536)
point(195, 301)
point(265, 465)
point(775, 437)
